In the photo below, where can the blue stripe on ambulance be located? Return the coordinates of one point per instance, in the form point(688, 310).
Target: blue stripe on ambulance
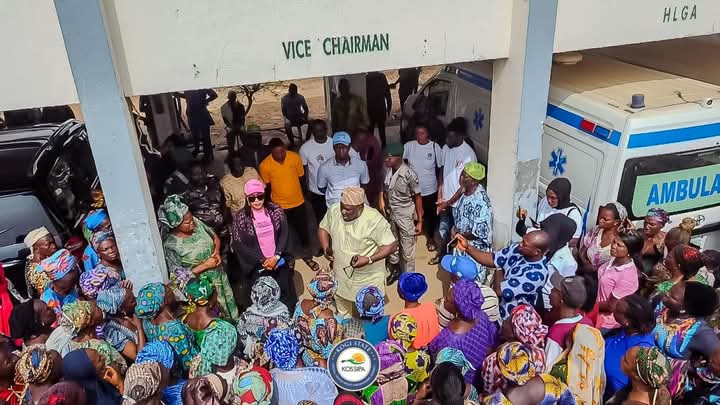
point(641, 140)
point(669, 136)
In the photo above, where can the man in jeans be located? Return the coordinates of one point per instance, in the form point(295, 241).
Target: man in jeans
point(282, 171)
point(456, 154)
point(315, 152)
point(295, 112)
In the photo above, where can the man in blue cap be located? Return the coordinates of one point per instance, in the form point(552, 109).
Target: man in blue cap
point(342, 171)
point(400, 202)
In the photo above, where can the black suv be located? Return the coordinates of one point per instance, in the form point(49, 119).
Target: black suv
point(46, 177)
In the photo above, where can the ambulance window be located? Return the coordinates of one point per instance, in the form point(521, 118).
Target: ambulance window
point(438, 95)
point(678, 182)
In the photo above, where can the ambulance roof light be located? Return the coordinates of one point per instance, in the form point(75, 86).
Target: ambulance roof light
point(638, 101)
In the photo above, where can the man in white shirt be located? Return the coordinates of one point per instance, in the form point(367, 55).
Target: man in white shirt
point(426, 159)
point(456, 154)
point(342, 171)
point(314, 153)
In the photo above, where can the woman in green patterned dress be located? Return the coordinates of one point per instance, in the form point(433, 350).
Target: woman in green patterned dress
point(192, 245)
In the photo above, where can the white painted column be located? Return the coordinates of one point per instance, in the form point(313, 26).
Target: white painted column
point(519, 102)
point(113, 140)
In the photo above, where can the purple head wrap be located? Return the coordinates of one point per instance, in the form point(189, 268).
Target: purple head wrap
point(468, 299)
point(659, 215)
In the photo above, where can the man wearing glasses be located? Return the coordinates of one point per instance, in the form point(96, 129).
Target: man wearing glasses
point(356, 239)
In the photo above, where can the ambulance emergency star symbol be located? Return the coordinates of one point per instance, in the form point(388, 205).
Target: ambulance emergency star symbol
point(478, 120)
point(557, 161)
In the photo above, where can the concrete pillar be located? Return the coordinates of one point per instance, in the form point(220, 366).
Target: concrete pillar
point(519, 102)
point(113, 140)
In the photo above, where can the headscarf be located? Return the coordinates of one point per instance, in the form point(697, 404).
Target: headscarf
point(34, 365)
point(94, 219)
point(150, 299)
point(348, 398)
point(254, 186)
point(528, 328)
point(282, 348)
point(514, 361)
point(265, 296)
point(97, 279)
point(322, 287)
point(99, 237)
point(562, 188)
point(35, 235)
point(412, 286)
point(76, 316)
point(254, 386)
point(370, 302)
point(204, 391)
point(109, 300)
point(468, 299)
point(77, 367)
point(142, 382)
point(456, 357)
point(217, 347)
point(199, 290)
point(475, 170)
point(417, 365)
point(403, 328)
point(172, 211)
point(561, 230)
point(159, 351)
point(58, 265)
point(333, 335)
point(659, 215)
point(353, 196)
point(391, 382)
point(64, 393)
point(654, 369)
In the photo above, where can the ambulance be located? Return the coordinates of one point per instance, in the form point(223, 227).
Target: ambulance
point(617, 131)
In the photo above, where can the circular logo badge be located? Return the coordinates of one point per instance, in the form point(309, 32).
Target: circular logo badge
point(353, 364)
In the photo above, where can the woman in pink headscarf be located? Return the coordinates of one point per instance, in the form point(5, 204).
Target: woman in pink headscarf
point(259, 239)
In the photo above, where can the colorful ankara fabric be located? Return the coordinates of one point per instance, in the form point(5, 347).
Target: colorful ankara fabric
point(110, 300)
point(403, 328)
point(529, 330)
point(188, 253)
point(142, 382)
point(217, 347)
point(282, 348)
point(159, 351)
point(370, 302)
point(150, 299)
point(34, 365)
point(100, 278)
point(254, 387)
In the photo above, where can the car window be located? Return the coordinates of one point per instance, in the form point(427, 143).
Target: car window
point(19, 214)
point(70, 179)
point(438, 95)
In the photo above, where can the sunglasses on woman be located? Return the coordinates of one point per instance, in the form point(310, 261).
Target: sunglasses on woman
point(258, 197)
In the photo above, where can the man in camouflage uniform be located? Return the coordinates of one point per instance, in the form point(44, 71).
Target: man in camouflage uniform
point(401, 203)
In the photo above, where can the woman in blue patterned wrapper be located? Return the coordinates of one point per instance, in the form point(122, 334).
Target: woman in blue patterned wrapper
point(163, 353)
point(154, 306)
point(122, 329)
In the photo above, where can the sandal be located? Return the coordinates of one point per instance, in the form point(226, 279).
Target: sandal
point(314, 266)
point(430, 247)
point(434, 261)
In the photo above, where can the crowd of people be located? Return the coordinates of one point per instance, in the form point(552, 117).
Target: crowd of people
point(613, 315)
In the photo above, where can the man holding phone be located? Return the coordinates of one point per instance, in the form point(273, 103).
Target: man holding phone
point(521, 269)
